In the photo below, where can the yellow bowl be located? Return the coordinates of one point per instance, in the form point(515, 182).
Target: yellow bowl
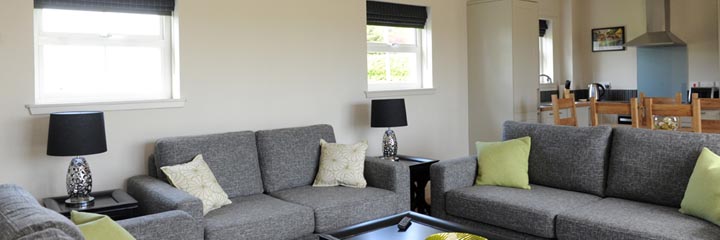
point(454, 236)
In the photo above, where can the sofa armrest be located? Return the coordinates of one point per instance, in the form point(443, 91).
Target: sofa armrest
point(157, 196)
point(391, 176)
point(171, 225)
point(447, 175)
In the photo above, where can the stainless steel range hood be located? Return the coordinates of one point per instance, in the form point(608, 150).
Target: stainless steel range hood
point(658, 27)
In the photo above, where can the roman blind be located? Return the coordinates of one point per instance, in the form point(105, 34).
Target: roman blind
point(396, 15)
point(543, 27)
point(160, 7)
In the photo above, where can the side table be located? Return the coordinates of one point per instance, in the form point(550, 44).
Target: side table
point(117, 204)
point(419, 177)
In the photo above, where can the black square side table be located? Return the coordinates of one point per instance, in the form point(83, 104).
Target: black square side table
point(117, 204)
point(419, 177)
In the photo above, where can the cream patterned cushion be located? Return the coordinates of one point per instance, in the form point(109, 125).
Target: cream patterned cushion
point(196, 178)
point(341, 164)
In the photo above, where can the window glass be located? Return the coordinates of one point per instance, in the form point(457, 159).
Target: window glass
point(84, 57)
point(394, 58)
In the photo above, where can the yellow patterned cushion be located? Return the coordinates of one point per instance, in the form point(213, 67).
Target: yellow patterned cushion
point(341, 164)
point(197, 179)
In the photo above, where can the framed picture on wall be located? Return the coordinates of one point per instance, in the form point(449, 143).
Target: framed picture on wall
point(608, 39)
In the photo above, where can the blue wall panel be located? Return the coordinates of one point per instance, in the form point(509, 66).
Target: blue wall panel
point(662, 71)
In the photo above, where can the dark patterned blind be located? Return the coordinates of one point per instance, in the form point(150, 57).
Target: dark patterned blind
point(396, 15)
point(160, 7)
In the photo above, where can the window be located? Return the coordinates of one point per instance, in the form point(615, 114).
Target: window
point(397, 49)
point(546, 53)
point(102, 55)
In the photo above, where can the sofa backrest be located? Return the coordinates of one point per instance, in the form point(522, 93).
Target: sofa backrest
point(654, 166)
point(570, 158)
point(22, 216)
point(289, 157)
point(232, 157)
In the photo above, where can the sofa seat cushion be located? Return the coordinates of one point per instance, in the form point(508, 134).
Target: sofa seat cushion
point(337, 207)
point(258, 217)
point(614, 218)
point(527, 211)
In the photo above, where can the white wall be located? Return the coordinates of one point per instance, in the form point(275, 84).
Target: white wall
point(695, 22)
point(245, 65)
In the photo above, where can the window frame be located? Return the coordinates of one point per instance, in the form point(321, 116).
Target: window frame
point(166, 42)
point(549, 34)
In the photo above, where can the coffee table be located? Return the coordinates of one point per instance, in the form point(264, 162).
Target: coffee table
point(386, 228)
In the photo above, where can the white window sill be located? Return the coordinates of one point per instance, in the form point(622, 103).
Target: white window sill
point(399, 93)
point(39, 109)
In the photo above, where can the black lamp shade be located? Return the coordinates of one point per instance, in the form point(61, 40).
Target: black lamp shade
point(76, 134)
point(388, 113)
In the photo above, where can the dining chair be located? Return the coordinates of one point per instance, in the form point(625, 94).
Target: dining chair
point(630, 108)
point(708, 125)
point(673, 109)
point(561, 104)
point(642, 101)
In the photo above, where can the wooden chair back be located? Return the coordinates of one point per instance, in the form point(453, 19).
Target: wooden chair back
point(564, 103)
point(631, 108)
point(642, 100)
point(708, 125)
point(673, 109)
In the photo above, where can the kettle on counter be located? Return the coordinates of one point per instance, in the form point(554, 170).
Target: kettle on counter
point(596, 90)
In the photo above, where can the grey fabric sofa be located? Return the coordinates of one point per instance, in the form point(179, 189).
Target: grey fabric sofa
point(23, 218)
point(587, 183)
point(268, 176)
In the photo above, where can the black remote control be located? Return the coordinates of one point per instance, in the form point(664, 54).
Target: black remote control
point(404, 224)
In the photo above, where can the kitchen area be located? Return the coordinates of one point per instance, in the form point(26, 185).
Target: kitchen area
point(662, 71)
point(668, 46)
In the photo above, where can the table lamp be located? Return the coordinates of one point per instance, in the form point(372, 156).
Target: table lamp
point(388, 113)
point(77, 134)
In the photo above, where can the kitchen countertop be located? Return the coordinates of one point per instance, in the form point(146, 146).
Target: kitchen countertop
point(548, 106)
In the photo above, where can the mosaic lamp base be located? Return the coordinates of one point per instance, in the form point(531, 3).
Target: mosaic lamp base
point(79, 183)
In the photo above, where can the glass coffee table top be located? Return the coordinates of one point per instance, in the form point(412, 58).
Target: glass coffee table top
point(386, 228)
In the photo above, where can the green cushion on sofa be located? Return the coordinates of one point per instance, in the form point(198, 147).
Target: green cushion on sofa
point(504, 163)
point(95, 226)
point(702, 196)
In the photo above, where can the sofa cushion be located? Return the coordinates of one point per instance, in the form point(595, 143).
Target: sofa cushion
point(503, 163)
point(613, 218)
point(527, 211)
point(702, 197)
point(197, 179)
point(22, 217)
point(570, 158)
point(654, 166)
point(99, 227)
point(337, 207)
point(341, 165)
point(259, 217)
point(232, 157)
point(289, 157)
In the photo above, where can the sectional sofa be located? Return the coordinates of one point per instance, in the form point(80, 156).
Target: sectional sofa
point(587, 183)
point(268, 176)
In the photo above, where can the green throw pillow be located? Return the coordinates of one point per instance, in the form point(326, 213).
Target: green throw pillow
point(99, 227)
point(504, 163)
point(702, 196)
